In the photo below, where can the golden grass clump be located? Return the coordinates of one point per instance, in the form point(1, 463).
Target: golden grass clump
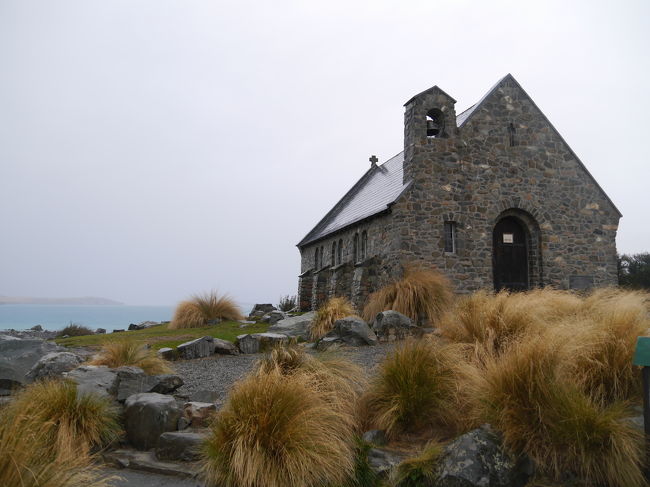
point(422, 295)
point(333, 309)
point(202, 308)
point(46, 435)
point(276, 430)
point(419, 470)
point(124, 352)
point(540, 412)
point(421, 385)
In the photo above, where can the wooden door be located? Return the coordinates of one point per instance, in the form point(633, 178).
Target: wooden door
point(510, 255)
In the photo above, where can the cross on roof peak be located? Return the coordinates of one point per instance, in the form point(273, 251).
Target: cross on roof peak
point(373, 160)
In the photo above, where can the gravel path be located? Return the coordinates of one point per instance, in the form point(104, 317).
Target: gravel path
point(219, 372)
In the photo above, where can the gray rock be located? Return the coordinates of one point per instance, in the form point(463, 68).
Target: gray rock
point(133, 380)
point(199, 414)
point(263, 309)
point(375, 437)
point(327, 341)
point(18, 356)
point(133, 327)
point(204, 396)
point(260, 342)
point(383, 461)
point(273, 317)
point(350, 330)
point(147, 416)
point(53, 365)
point(392, 325)
point(94, 379)
point(477, 459)
point(118, 331)
point(225, 347)
point(9, 386)
point(100, 331)
point(166, 353)
point(199, 348)
point(183, 423)
point(36, 328)
point(180, 446)
point(294, 326)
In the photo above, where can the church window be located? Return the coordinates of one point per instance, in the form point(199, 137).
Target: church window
point(512, 135)
point(333, 259)
point(355, 248)
point(450, 237)
point(316, 258)
point(435, 123)
point(364, 245)
point(339, 254)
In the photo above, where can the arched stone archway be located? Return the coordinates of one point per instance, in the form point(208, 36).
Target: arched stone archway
point(516, 251)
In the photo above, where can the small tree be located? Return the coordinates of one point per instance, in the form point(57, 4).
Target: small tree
point(634, 270)
point(287, 303)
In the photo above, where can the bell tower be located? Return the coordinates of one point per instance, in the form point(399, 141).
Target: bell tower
point(429, 126)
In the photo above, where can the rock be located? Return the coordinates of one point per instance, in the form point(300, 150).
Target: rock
point(326, 342)
point(147, 462)
point(392, 325)
point(294, 326)
point(97, 379)
point(180, 446)
point(204, 396)
point(133, 327)
point(201, 347)
point(350, 330)
point(167, 353)
point(133, 380)
point(118, 331)
point(183, 423)
point(53, 365)
point(225, 347)
point(476, 459)
point(260, 342)
point(100, 331)
point(263, 309)
point(199, 413)
point(9, 386)
point(147, 416)
point(375, 437)
point(273, 317)
point(383, 461)
point(18, 356)
point(36, 328)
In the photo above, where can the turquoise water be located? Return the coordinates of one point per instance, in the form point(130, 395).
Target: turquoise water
point(55, 317)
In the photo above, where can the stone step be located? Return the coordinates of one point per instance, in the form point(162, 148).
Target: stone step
point(146, 461)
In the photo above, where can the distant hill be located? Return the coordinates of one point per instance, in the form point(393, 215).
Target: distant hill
point(87, 300)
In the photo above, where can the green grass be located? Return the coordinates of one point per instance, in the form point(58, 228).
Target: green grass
point(161, 336)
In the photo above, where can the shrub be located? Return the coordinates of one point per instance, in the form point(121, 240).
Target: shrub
point(419, 470)
point(276, 430)
point(420, 385)
point(75, 330)
point(634, 270)
point(543, 414)
point(287, 303)
point(201, 309)
point(123, 352)
point(334, 309)
point(421, 295)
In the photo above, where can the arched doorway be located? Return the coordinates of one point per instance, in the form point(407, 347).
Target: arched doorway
point(510, 255)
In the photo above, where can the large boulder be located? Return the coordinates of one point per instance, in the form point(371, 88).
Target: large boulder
point(18, 356)
point(94, 379)
point(224, 347)
point(201, 347)
point(147, 416)
point(260, 342)
point(294, 326)
point(133, 380)
point(350, 330)
point(477, 459)
point(393, 325)
point(260, 310)
point(53, 365)
point(184, 446)
point(273, 317)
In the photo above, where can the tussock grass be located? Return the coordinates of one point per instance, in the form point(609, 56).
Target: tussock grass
point(421, 385)
point(419, 470)
point(333, 309)
point(46, 435)
point(276, 430)
point(422, 295)
point(75, 330)
point(202, 308)
point(543, 413)
point(123, 352)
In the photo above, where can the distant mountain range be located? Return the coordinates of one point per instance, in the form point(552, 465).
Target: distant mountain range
point(87, 300)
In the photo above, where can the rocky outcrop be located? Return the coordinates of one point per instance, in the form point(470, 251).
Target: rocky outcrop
point(147, 416)
point(260, 310)
point(260, 342)
point(52, 365)
point(18, 356)
point(133, 380)
point(294, 326)
point(392, 325)
point(273, 317)
point(350, 330)
point(201, 347)
point(94, 379)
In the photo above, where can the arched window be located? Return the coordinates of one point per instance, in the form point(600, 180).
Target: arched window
point(339, 254)
point(512, 135)
point(355, 248)
point(333, 257)
point(435, 123)
point(364, 245)
point(320, 258)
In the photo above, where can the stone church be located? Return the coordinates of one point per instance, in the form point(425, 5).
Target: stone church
point(492, 197)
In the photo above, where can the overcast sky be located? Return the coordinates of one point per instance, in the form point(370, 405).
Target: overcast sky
point(151, 149)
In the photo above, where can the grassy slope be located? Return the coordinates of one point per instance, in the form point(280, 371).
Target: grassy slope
point(160, 336)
